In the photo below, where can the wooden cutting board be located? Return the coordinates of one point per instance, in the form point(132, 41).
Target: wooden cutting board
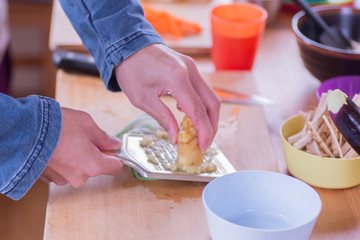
point(124, 207)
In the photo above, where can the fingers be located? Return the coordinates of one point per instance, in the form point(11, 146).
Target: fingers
point(104, 141)
point(209, 98)
point(111, 165)
point(72, 118)
point(197, 104)
point(44, 179)
point(100, 138)
point(77, 156)
point(197, 113)
point(162, 114)
point(105, 165)
point(165, 70)
point(49, 175)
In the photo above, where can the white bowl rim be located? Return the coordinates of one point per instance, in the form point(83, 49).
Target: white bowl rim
point(298, 15)
point(316, 215)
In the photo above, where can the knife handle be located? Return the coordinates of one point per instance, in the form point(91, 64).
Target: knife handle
point(75, 62)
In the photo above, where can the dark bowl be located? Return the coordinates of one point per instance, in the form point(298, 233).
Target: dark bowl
point(323, 61)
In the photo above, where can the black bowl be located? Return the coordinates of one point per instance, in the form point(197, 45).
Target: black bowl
point(323, 61)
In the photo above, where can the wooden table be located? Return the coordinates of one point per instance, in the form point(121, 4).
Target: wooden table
point(125, 207)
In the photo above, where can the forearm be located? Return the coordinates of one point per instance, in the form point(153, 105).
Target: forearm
point(111, 30)
point(29, 131)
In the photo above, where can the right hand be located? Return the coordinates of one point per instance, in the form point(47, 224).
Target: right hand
point(78, 155)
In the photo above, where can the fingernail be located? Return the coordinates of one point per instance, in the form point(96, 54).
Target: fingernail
point(205, 146)
point(117, 142)
point(173, 138)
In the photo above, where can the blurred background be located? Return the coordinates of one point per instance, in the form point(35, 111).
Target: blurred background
point(33, 73)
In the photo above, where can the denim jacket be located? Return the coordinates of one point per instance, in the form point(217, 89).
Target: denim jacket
point(29, 131)
point(111, 30)
point(30, 127)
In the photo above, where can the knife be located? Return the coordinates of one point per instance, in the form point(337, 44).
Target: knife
point(84, 63)
point(228, 96)
point(75, 62)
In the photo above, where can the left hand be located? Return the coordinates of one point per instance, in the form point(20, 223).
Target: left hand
point(79, 153)
point(156, 70)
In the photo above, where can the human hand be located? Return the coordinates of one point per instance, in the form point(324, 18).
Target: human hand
point(156, 70)
point(78, 155)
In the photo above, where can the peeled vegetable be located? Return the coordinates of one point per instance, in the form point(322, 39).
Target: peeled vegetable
point(189, 153)
point(346, 116)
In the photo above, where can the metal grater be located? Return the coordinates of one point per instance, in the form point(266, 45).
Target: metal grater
point(133, 155)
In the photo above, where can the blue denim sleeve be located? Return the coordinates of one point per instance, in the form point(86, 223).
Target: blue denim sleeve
point(29, 131)
point(111, 30)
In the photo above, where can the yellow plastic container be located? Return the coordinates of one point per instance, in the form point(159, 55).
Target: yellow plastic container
point(324, 172)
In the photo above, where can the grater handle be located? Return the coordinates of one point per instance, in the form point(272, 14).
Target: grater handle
point(127, 160)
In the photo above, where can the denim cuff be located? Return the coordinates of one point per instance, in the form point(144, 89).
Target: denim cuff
point(122, 50)
point(48, 137)
point(111, 30)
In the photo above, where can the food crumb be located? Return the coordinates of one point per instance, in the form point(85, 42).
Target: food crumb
point(152, 159)
point(146, 141)
point(159, 151)
point(161, 134)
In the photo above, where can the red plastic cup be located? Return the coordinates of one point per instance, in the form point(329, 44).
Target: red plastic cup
point(237, 30)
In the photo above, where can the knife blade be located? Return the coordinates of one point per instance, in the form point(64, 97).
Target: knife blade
point(228, 96)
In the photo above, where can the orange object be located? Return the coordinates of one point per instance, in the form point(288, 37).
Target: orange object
point(235, 111)
point(236, 33)
point(169, 26)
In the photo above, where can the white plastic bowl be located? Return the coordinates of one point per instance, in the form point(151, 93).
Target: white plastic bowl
point(258, 205)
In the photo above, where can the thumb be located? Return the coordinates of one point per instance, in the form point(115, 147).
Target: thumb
point(103, 140)
point(108, 142)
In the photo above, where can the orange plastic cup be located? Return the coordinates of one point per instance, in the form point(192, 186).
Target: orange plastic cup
point(237, 30)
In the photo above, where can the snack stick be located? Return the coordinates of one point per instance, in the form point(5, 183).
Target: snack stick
point(320, 109)
point(319, 140)
point(335, 146)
